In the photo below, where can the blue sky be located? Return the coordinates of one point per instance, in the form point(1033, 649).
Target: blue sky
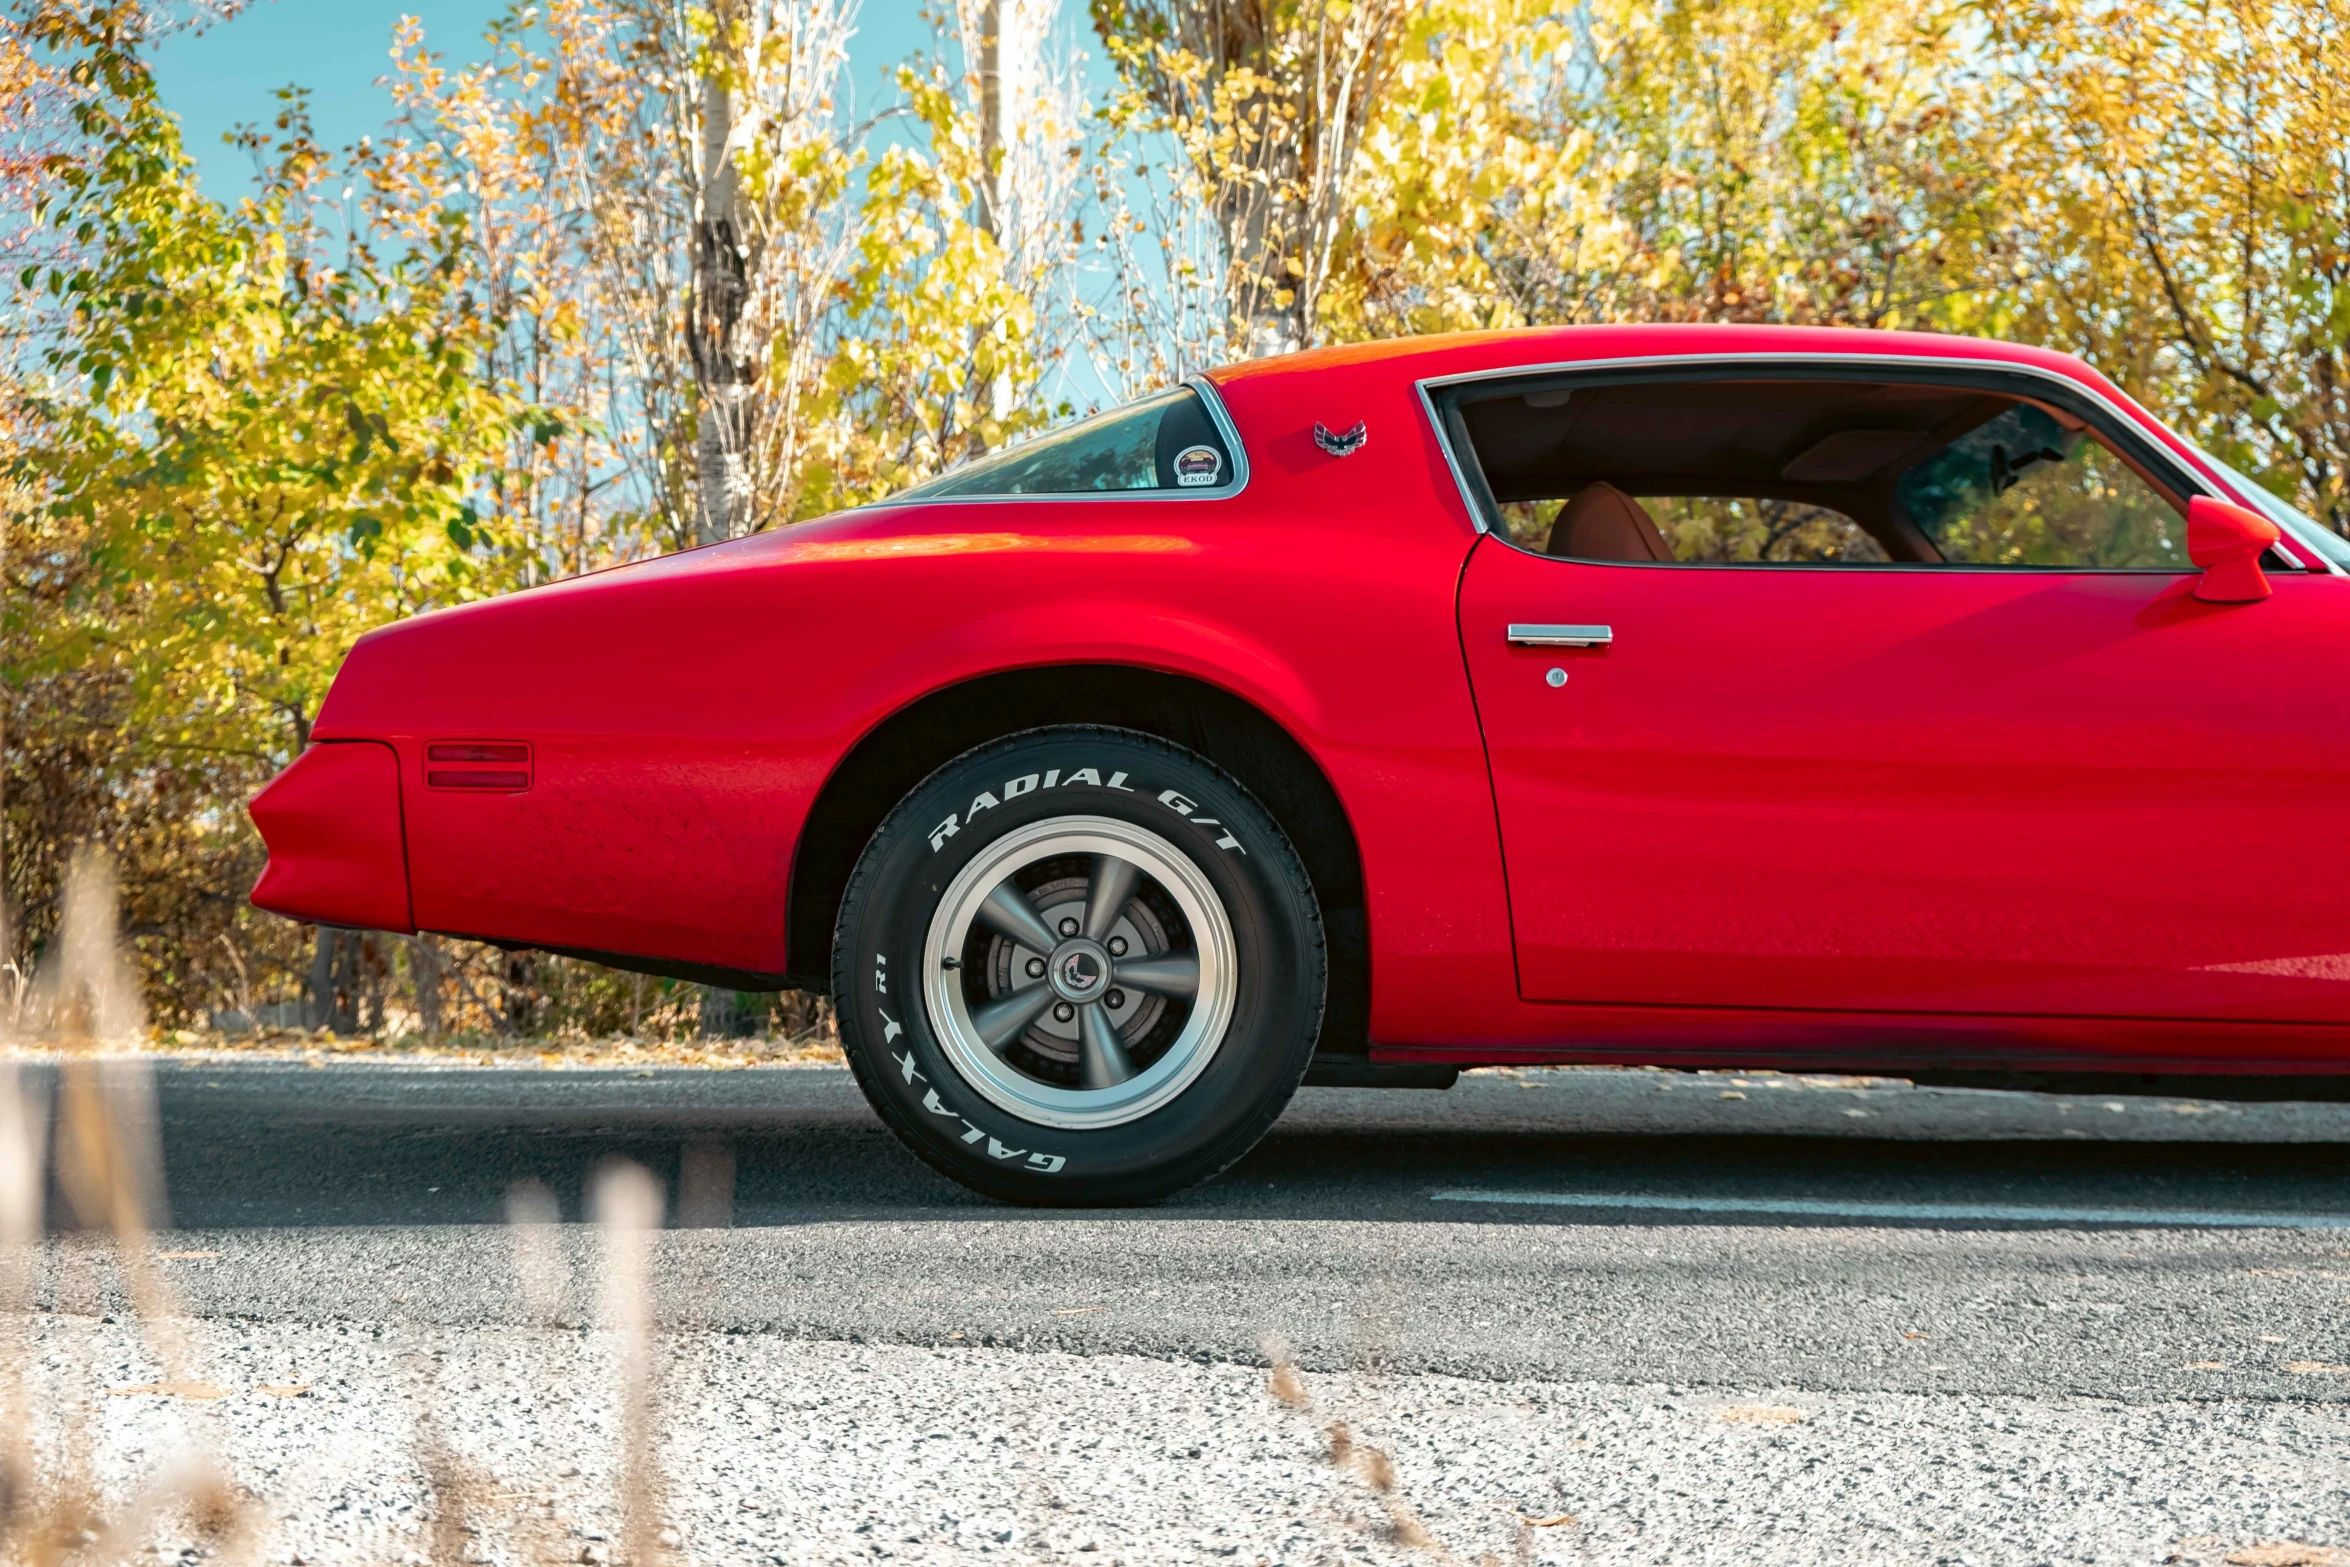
point(225, 76)
point(228, 75)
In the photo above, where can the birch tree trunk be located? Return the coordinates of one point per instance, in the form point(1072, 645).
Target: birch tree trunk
point(993, 140)
point(721, 287)
point(996, 135)
point(714, 327)
point(424, 970)
point(318, 991)
point(333, 1000)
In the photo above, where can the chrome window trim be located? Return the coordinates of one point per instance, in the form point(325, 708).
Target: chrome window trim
point(1429, 386)
point(1217, 416)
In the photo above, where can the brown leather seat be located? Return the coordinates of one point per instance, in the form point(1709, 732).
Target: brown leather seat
point(1601, 522)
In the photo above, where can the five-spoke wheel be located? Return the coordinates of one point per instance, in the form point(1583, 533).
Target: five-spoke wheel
point(1081, 970)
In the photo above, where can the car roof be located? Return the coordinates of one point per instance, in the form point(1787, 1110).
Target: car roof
point(1470, 353)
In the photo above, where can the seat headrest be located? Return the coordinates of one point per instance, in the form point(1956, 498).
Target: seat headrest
point(1601, 522)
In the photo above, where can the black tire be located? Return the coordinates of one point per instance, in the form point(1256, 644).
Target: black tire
point(1028, 788)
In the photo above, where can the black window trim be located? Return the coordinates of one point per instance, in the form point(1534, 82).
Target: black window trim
point(1441, 397)
point(1217, 416)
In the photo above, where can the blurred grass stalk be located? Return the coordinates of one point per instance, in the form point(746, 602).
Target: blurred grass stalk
point(81, 1001)
point(628, 1211)
point(107, 1168)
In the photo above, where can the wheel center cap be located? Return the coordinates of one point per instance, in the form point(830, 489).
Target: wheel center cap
point(1079, 970)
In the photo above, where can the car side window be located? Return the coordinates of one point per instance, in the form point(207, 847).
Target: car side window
point(2021, 490)
point(1164, 442)
point(1725, 530)
point(1820, 470)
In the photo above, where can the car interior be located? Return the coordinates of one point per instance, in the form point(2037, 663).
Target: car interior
point(1815, 472)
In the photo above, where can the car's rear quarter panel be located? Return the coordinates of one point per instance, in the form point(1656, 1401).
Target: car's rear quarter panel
point(684, 715)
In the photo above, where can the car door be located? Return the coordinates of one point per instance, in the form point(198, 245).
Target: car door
point(1927, 789)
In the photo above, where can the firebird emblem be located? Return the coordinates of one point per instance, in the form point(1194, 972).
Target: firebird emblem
point(1340, 445)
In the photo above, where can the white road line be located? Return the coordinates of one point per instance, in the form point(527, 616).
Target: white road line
point(2002, 1213)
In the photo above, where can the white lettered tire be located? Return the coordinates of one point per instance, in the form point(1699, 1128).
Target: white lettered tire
point(1079, 967)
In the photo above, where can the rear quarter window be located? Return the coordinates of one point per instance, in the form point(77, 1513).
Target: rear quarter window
point(1166, 442)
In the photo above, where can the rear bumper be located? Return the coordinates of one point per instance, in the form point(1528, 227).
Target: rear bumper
point(336, 852)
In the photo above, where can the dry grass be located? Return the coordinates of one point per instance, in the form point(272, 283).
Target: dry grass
point(1763, 1415)
point(1371, 1465)
point(98, 1143)
point(818, 1049)
point(52, 1511)
point(85, 996)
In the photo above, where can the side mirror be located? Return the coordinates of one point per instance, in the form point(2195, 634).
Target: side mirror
point(2226, 541)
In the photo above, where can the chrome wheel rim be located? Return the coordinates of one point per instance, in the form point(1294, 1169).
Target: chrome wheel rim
point(1080, 972)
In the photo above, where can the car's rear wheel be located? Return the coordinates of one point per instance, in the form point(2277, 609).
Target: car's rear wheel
point(1079, 966)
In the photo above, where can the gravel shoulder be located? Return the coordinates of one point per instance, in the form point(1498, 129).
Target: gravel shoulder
point(794, 1452)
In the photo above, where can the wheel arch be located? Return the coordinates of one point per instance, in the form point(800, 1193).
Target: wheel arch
point(910, 744)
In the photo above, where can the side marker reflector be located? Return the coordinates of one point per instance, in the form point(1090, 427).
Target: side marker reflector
point(508, 772)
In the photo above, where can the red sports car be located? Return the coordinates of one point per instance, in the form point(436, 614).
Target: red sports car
point(1679, 695)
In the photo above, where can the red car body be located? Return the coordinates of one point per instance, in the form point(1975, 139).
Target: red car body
point(1894, 820)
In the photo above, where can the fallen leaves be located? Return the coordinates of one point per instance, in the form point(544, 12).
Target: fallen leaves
point(2205, 1365)
point(186, 1256)
point(811, 1049)
point(1554, 1521)
point(2288, 1553)
point(1080, 1311)
point(207, 1390)
point(1764, 1415)
point(2316, 1368)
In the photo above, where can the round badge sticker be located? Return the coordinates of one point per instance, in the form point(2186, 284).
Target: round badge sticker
point(1198, 465)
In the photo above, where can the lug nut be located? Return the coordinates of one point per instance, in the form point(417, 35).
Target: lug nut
point(1036, 968)
point(1116, 998)
point(1068, 927)
point(1117, 946)
point(1064, 1012)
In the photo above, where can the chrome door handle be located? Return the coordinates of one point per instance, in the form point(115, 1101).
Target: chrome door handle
point(1561, 636)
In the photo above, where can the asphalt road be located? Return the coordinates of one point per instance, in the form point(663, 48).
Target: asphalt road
point(1689, 1230)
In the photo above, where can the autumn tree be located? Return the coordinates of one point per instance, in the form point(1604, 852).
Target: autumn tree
point(250, 437)
point(2176, 177)
point(549, 142)
point(1264, 104)
point(1023, 96)
point(1697, 159)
